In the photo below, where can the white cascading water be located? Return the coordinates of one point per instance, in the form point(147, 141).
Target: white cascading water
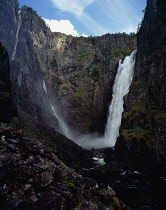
point(63, 127)
point(16, 41)
point(120, 89)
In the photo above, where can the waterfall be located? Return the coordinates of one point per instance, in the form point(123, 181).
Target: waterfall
point(16, 40)
point(44, 87)
point(63, 127)
point(120, 89)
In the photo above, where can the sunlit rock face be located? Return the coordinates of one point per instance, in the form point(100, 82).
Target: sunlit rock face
point(78, 72)
point(142, 140)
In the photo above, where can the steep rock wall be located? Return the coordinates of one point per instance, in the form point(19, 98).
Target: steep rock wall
point(7, 110)
point(142, 141)
point(78, 72)
point(8, 23)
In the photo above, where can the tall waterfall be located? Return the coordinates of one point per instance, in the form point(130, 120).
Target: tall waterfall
point(63, 127)
point(120, 89)
point(16, 40)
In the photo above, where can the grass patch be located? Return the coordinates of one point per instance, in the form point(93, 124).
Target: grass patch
point(136, 133)
point(69, 183)
point(2, 84)
point(83, 56)
point(79, 93)
point(138, 84)
point(117, 51)
point(96, 69)
point(14, 123)
point(4, 96)
point(31, 134)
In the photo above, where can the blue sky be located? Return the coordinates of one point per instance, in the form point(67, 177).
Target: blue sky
point(89, 17)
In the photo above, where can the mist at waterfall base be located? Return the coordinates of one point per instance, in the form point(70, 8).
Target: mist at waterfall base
point(120, 89)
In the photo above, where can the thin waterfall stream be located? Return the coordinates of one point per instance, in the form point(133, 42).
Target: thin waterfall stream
point(16, 40)
point(63, 127)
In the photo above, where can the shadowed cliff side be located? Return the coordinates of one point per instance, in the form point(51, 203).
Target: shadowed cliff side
point(7, 110)
point(142, 142)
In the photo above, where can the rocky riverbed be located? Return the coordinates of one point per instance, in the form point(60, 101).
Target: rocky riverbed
point(137, 190)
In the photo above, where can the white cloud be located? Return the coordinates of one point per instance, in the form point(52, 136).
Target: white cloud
point(63, 26)
point(75, 7)
point(84, 35)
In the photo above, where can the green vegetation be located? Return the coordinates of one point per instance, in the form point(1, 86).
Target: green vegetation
point(138, 84)
point(2, 85)
point(96, 69)
point(148, 61)
point(83, 55)
point(117, 51)
point(136, 133)
point(4, 96)
point(79, 93)
point(32, 134)
point(69, 183)
point(14, 123)
point(159, 116)
point(138, 109)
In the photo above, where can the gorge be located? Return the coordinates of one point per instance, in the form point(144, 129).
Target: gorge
point(55, 88)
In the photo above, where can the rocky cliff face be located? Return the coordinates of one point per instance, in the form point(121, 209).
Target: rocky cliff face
point(142, 140)
point(8, 22)
point(7, 110)
point(78, 72)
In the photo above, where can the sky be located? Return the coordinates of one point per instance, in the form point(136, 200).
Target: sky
point(89, 17)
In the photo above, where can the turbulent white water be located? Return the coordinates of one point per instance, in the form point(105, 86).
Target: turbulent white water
point(120, 89)
point(63, 127)
point(16, 40)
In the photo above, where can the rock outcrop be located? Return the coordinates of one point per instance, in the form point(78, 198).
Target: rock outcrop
point(142, 142)
point(32, 177)
point(78, 72)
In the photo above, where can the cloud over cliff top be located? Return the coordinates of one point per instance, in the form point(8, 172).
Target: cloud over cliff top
point(63, 26)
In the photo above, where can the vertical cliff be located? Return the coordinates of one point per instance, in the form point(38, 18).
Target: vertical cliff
point(142, 141)
point(78, 72)
point(8, 23)
point(7, 110)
